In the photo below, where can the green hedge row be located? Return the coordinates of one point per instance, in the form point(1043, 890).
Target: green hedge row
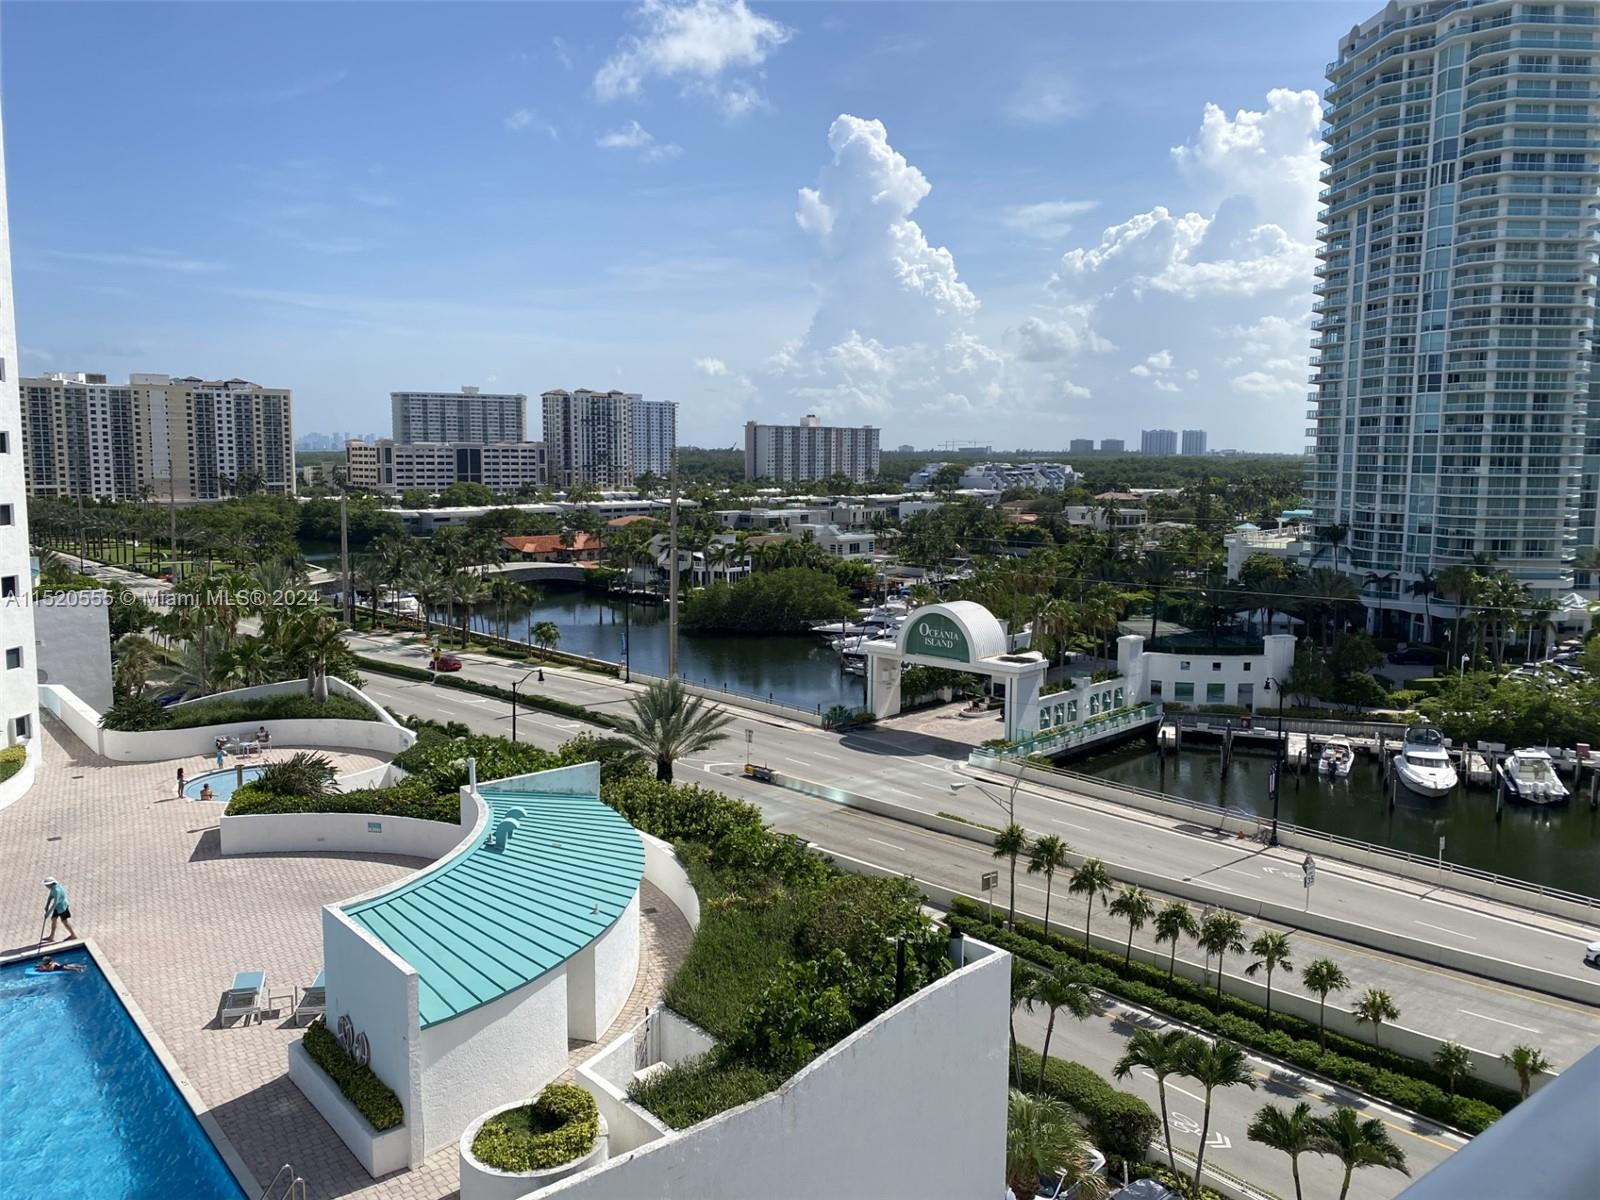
point(371, 1096)
point(1121, 1124)
point(558, 1127)
point(529, 700)
point(138, 715)
point(1390, 1076)
point(695, 1089)
point(11, 760)
point(403, 800)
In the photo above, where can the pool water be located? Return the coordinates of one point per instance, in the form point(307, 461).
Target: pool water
point(222, 783)
point(87, 1109)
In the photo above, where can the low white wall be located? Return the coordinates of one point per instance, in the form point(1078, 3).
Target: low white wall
point(736, 700)
point(343, 833)
point(492, 1055)
point(11, 790)
point(481, 1182)
point(662, 869)
point(81, 719)
point(663, 1036)
point(600, 976)
point(911, 1104)
point(379, 1153)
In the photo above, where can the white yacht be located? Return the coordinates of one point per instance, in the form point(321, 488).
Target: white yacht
point(1338, 756)
point(1423, 765)
point(1529, 775)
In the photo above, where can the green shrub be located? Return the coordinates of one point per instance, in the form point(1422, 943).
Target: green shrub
point(137, 715)
point(558, 1127)
point(527, 700)
point(689, 1092)
point(371, 1096)
point(1428, 685)
point(11, 760)
point(1121, 1124)
point(1384, 1073)
point(304, 773)
point(405, 799)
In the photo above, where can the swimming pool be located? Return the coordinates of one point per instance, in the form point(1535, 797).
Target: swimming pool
point(222, 783)
point(86, 1106)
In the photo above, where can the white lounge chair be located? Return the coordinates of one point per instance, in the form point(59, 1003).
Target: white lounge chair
point(312, 1001)
point(243, 1000)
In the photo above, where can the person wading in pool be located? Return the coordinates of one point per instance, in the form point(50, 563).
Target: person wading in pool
point(49, 964)
point(55, 907)
point(206, 793)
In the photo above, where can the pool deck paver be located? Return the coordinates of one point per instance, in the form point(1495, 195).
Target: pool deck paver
point(176, 919)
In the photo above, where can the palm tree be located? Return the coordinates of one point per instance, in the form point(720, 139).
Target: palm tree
point(1047, 856)
point(1213, 1065)
point(1328, 591)
point(669, 723)
point(1321, 976)
point(137, 656)
point(1011, 842)
point(314, 643)
point(1022, 981)
point(428, 582)
point(468, 591)
point(1174, 921)
point(1356, 1143)
point(1453, 1060)
point(1061, 988)
point(1092, 880)
point(248, 661)
point(1137, 905)
point(1272, 952)
point(1054, 624)
point(1460, 584)
point(1290, 1132)
point(545, 635)
point(1220, 933)
point(1425, 585)
point(1526, 1062)
point(1044, 1142)
point(1162, 1054)
point(1375, 1007)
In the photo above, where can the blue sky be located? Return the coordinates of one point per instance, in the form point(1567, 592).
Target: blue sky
point(1009, 223)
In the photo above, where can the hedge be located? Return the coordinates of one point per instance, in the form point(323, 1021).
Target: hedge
point(558, 1127)
point(1121, 1124)
point(11, 760)
point(402, 800)
point(529, 700)
point(371, 1096)
point(695, 1089)
point(284, 706)
point(1390, 1076)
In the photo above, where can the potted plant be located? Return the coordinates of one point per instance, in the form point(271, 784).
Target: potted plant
point(521, 1147)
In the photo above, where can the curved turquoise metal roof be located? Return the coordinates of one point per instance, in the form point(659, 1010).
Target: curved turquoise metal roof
point(486, 921)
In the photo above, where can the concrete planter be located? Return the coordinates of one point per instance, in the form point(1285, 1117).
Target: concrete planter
point(482, 1182)
point(379, 1153)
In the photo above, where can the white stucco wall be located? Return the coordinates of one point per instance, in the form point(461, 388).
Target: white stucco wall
point(911, 1104)
point(662, 868)
point(600, 976)
point(663, 1036)
point(72, 633)
point(346, 833)
point(11, 790)
point(1229, 671)
point(499, 1052)
point(82, 720)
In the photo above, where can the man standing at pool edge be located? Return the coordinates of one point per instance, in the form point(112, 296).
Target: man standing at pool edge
point(55, 907)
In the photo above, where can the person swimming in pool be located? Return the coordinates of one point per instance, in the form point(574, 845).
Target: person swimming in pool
point(49, 964)
point(206, 793)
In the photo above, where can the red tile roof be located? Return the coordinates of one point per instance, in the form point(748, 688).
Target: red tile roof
point(550, 543)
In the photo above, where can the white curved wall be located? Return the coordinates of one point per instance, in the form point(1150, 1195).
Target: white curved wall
point(11, 790)
point(344, 833)
point(600, 976)
point(662, 868)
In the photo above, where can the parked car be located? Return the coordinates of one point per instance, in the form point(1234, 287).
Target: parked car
point(1591, 954)
point(1411, 655)
point(447, 662)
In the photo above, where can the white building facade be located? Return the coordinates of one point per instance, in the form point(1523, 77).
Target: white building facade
point(1194, 441)
point(655, 436)
point(810, 450)
point(1158, 441)
point(394, 467)
point(589, 437)
point(465, 416)
point(1456, 292)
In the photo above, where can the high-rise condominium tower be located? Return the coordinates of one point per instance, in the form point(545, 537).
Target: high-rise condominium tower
point(465, 416)
point(1456, 294)
point(1158, 441)
point(19, 678)
point(810, 450)
point(655, 436)
point(589, 437)
point(1194, 441)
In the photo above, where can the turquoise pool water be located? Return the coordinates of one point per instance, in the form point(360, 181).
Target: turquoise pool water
point(87, 1109)
point(222, 783)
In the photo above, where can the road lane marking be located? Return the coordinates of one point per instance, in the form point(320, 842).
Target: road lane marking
point(891, 845)
point(1070, 825)
point(1451, 932)
point(1497, 1020)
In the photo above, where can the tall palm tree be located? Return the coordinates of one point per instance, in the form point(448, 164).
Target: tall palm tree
point(467, 591)
point(1090, 880)
point(1220, 933)
point(248, 661)
point(545, 635)
point(427, 580)
point(1061, 988)
point(1046, 856)
point(1356, 1143)
point(1174, 921)
point(1272, 953)
point(1425, 585)
point(1290, 1132)
point(669, 723)
point(1526, 1062)
point(1162, 1054)
point(1011, 843)
point(314, 643)
point(1214, 1065)
point(1044, 1142)
point(1460, 584)
point(1374, 1008)
point(1321, 976)
point(1328, 592)
point(1138, 906)
point(1054, 623)
point(1023, 978)
point(1453, 1060)
point(137, 656)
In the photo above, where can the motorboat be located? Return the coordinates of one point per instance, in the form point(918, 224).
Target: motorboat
point(1423, 765)
point(1338, 756)
point(1530, 775)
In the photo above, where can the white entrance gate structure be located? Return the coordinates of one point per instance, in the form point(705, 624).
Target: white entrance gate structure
point(959, 636)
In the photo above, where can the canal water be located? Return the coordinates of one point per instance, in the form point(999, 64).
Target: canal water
point(1556, 845)
point(800, 671)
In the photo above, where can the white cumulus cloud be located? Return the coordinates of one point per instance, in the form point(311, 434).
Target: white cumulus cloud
point(634, 136)
point(695, 44)
point(711, 366)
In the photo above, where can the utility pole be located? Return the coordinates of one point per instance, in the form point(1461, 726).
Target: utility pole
point(672, 571)
point(344, 561)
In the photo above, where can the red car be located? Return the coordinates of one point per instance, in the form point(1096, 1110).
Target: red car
point(447, 662)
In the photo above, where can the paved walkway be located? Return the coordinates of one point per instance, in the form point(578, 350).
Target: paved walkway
point(177, 920)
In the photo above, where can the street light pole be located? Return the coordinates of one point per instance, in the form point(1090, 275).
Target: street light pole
point(1277, 766)
point(1010, 805)
point(514, 688)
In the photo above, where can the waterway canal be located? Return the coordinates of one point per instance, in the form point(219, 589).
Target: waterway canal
point(1557, 845)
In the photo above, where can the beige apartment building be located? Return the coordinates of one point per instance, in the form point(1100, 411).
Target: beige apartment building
point(180, 438)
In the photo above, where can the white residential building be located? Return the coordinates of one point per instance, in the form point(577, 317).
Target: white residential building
point(589, 437)
point(465, 416)
point(1112, 446)
point(1456, 296)
point(82, 437)
point(655, 436)
point(1158, 441)
point(394, 467)
point(19, 687)
point(1194, 441)
point(810, 450)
